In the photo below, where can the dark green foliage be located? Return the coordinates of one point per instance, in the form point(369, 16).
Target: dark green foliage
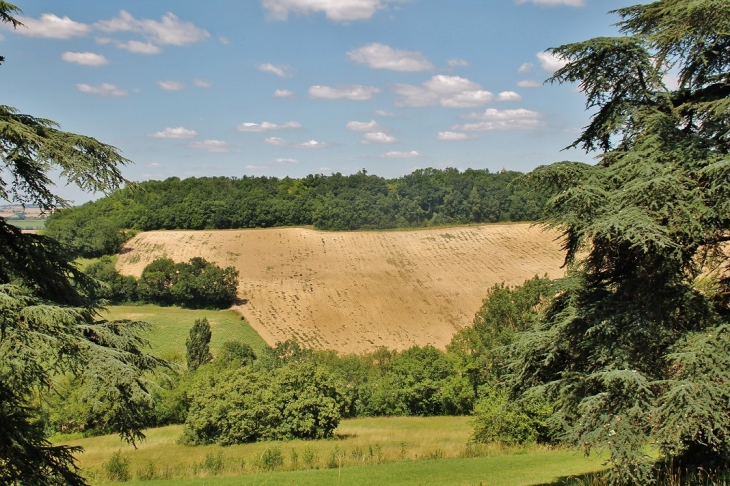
point(198, 344)
point(296, 401)
point(117, 468)
point(359, 201)
point(634, 348)
point(196, 284)
point(48, 321)
point(235, 353)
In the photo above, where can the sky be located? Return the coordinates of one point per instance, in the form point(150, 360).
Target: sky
point(296, 87)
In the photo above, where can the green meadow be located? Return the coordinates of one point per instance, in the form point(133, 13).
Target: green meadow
point(171, 326)
point(28, 224)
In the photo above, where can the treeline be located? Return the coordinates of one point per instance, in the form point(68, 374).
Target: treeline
point(196, 284)
point(290, 391)
point(359, 201)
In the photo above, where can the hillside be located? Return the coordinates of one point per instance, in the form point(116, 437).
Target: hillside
point(354, 291)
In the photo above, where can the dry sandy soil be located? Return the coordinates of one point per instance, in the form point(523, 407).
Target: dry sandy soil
point(354, 291)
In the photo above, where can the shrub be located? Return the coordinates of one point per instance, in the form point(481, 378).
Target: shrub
point(117, 467)
point(498, 419)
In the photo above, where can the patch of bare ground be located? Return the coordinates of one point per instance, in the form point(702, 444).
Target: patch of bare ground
point(355, 291)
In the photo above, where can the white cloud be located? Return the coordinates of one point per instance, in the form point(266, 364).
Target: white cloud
point(280, 71)
point(377, 137)
point(139, 47)
point(84, 58)
point(493, 119)
point(337, 10)
point(380, 56)
point(401, 155)
point(325, 169)
point(455, 62)
point(526, 67)
point(287, 161)
point(104, 89)
point(550, 62)
point(168, 31)
point(529, 83)
point(448, 91)
point(283, 93)
point(371, 126)
point(383, 113)
point(170, 85)
point(51, 26)
point(552, 3)
point(223, 40)
point(153, 165)
point(312, 144)
point(277, 142)
point(509, 96)
point(354, 92)
point(266, 126)
point(257, 166)
point(202, 83)
point(212, 146)
point(176, 133)
point(452, 136)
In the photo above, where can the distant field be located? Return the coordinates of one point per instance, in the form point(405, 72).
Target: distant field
point(28, 224)
point(398, 450)
point(171, 326)
point(354, 291)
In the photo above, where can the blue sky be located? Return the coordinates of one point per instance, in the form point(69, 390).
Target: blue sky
point(294, 87)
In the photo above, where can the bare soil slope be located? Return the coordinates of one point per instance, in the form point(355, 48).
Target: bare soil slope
point(354, 291)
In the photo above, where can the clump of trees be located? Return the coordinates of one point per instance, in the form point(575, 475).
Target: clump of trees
point(196, 284)
point(198, 344)
point(358, 201)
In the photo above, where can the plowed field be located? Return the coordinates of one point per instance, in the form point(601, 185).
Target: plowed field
point(354, 291)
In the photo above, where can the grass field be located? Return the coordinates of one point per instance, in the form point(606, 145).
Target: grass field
point(400, 450)
point(28, 224)
point(171, 326)
point(355, 291)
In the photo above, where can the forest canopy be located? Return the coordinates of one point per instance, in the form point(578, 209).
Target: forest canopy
point(337, 202)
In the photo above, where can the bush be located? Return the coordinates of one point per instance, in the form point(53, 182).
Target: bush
point(297, 401)
point(498, 419)
point(117, 467)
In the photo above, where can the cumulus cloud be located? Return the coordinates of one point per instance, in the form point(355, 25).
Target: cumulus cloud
point(84, 58)
point(509, 96)
point(212, 146)
point(104, 89)
point(283, 93)
point(371, 126)
point(448, 91)
point(493, 119)
point(455, 62)
point(377, 137)
point(401, 155)
point(170, 85)
point(176, 133)
point(266, 126)
point(550, 62)
point(354, 92)
point(383, 113)
point(553, 3)
point(280, 71)
point(337, 10)
point(287, 161)
point(380, 56)
point(202, 83)
point(277, 142)
point(52, 26)
point(453, 136)
point(525, 67)
point(529, 83)
point(312, 144)
point(168, 31)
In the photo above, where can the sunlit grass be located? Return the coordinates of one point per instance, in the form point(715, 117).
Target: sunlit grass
point(397, 450)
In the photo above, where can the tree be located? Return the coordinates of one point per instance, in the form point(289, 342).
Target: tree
point(198, 344)
point(635, 348)
point(49, 322)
